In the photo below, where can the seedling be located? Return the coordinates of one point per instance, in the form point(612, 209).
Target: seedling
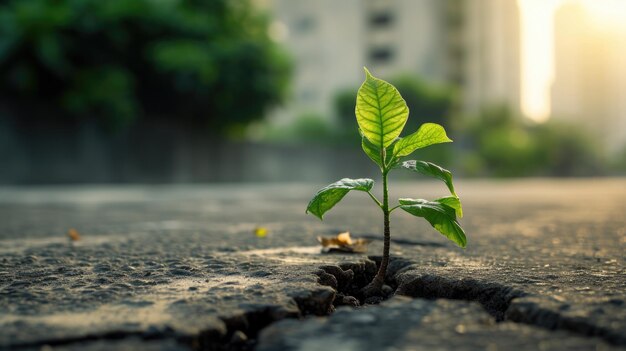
point(381, 114)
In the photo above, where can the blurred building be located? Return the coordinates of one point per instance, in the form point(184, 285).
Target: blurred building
point(491, 40)
point(471, 44)
point(590, 75)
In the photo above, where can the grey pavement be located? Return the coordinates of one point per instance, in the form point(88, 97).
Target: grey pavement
point(180, 268)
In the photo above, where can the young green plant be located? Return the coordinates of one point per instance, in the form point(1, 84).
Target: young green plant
point(381, 114)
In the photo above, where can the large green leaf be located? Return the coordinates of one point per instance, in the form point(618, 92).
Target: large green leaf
point(449, 201)
point(371, 151)
point(454, 202)
point(442, 217)
point(381, 112)
point(432, 170)
point(329, 196)
point(427, 134)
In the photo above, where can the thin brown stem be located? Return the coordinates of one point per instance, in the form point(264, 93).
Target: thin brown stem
point(382, 270)
point(375, 287)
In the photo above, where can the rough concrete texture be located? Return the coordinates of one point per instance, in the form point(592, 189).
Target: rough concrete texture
point(416, 324)
point(168, 268)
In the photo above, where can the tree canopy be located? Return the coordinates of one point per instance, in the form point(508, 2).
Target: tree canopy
point(202, 63)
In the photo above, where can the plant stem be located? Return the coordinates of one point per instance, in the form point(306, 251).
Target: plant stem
point(379, 279)
point(375, 199)
point(374, 288)
point(393, 208)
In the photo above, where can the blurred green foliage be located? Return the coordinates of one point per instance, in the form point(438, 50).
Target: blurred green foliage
point(493, 143)
point(344, 103)
point(499, 143)
point(568, 150)
point(618, 165)
point(307, 128)
point(427, 102)
point(502, 143)
point(311, 127)
point(192, 62)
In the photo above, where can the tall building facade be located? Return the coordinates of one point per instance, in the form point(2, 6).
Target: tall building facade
point(471, 44)
point(325, 39)
point(491, 38)
point(590, 75)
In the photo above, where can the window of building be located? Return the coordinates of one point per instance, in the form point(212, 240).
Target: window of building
point(381, 54)
point(381, 19)
point(308, 95)
point(304, 25)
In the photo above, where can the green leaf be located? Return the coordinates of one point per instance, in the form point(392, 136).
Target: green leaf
point(442, 217)
point(371, 151)
point(454, 202)
point(427, 134)
point(392, 160)
point(381, 112)
point(432, 170)
point(329, 196)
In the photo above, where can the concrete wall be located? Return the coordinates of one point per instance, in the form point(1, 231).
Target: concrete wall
point(158, 154)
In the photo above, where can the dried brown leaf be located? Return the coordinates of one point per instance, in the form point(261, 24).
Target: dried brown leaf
point(73, 234)
point(343, 243)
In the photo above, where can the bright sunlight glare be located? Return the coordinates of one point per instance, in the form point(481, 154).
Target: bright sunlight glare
point(537, 61)
point(607, 13)
point(537, 46)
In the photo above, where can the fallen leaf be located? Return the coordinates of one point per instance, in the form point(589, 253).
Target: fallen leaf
point(344, 238)
point(343, 243)
point(73, 234)
point(261, 232)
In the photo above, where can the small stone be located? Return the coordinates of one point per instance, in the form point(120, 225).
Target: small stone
point(461, 329)
point(387, 290)
point(238, 337)
point(350, 301)
point(373, 300)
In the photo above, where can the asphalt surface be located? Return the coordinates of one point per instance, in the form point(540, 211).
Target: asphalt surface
point(180, 267)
